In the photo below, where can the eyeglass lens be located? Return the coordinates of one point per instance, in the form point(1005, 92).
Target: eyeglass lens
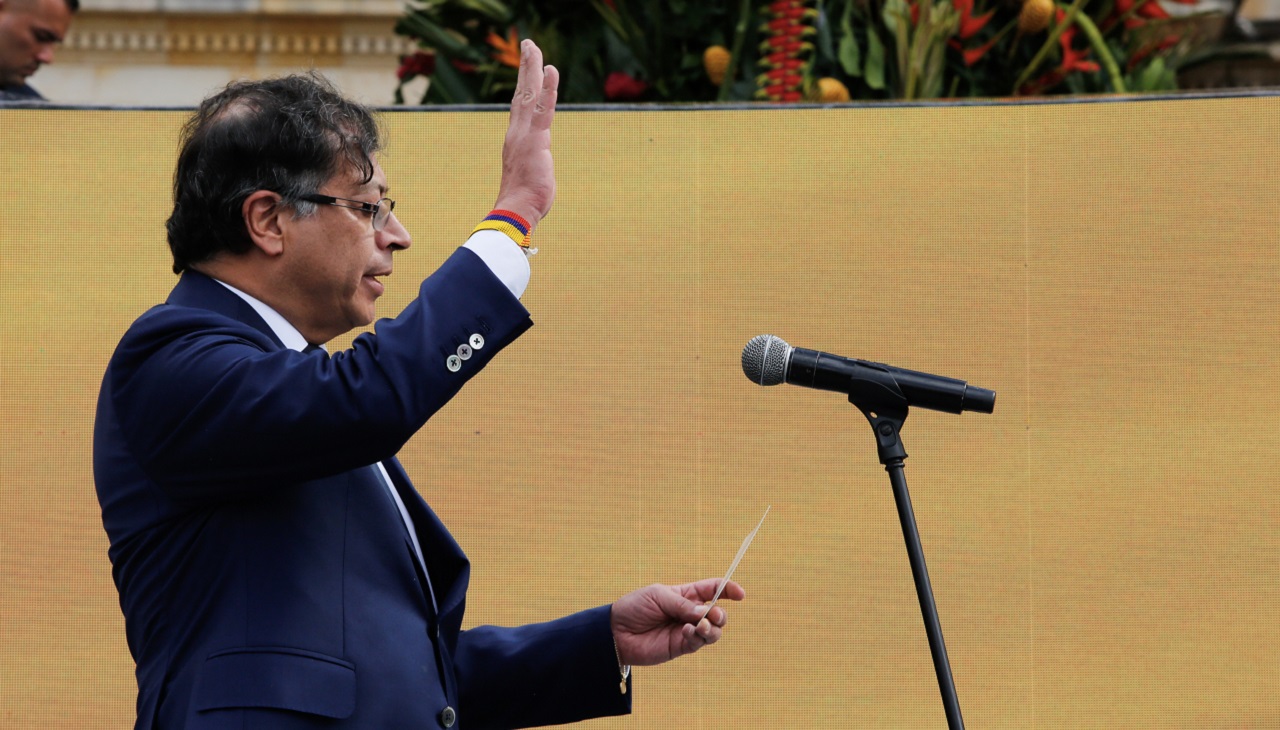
point(383, 213)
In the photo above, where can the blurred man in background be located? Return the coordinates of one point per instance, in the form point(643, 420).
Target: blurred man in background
point(30, 31)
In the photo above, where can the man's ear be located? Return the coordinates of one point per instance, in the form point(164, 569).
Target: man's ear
point(262, 213)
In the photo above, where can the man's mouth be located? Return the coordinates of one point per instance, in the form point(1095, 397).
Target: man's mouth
point(372, 278)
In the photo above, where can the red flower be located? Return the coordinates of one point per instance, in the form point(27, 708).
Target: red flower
point(1149, 10)
point(1152, 9)
point(784, 44)
point(780, 92)
point(421, 63)
point(970, 25)
point(620, 86)
point(975, 54)
point(1072, 61)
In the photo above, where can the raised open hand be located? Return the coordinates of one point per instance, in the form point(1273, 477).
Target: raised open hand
point(528, 185)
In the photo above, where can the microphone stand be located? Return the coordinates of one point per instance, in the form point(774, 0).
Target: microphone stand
point(882, 402)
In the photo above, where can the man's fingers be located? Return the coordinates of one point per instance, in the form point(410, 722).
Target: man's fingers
point(529, 80)
point(718, 617)
point(545, 108)
point(708, 627)
point(537, 87)
point(698, 636)
point(530, 70)
point(705, 590)
point(702, 590)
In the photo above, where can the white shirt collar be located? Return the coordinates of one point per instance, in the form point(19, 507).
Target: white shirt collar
point(287, 333)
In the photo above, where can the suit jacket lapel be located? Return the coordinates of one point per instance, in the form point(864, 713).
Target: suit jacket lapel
point(450, 569)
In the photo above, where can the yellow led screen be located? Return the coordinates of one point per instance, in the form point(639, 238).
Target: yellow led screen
point(1104, 548)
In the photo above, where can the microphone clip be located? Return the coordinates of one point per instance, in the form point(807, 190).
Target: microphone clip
point(882, 402)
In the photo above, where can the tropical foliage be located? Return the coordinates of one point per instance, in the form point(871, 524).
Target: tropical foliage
point(801, 50)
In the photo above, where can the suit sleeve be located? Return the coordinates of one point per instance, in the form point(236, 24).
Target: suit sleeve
point(208, 409)
point(542, 674)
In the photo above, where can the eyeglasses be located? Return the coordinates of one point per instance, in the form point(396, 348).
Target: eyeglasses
point(380, 210)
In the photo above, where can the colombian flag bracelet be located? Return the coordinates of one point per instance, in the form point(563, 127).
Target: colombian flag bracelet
point(506, 222)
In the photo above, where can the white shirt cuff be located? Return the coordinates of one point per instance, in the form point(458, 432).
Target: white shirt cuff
point(504, 258)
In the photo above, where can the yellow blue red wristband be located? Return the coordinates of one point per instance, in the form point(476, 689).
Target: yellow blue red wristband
point(508, 223)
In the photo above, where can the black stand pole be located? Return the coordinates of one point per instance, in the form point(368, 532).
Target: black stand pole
point(885, 407)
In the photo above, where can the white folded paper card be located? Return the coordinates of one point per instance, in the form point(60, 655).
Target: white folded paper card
point(737, 559)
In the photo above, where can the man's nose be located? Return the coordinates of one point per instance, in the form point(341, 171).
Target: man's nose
point(394, 235)
point(45, 54)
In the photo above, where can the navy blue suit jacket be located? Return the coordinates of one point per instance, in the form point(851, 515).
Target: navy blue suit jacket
point(265, 574)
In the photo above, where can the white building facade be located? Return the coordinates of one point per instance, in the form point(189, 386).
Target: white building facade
point(176, 52)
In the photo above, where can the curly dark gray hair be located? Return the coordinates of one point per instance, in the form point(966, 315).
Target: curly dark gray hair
point(287, 135)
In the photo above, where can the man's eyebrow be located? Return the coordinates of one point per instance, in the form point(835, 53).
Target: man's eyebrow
point(45, 35)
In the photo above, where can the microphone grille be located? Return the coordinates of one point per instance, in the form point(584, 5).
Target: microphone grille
point(764, 359)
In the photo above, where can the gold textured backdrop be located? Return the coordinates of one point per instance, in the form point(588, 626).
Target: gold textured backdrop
point(1105, 547)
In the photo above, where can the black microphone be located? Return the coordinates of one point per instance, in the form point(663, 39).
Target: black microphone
point(769, 360)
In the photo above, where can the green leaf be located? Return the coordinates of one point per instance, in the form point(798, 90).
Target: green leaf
point(826, 43)
point(875, 61)
point(741, 29)
point(495, 10)
point(1156, 77)
point(433, 36)
point(448, 86)
point(945, 21)
point(611, 18)
point(897, 19)
point(850, 53)
point(892, 9)
point(933, 72)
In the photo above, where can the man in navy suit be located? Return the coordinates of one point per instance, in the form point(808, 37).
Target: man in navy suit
point(276, 567)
